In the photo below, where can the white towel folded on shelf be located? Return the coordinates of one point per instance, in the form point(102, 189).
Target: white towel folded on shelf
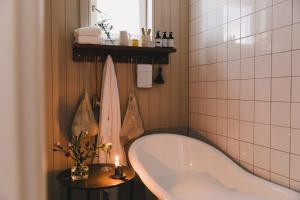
point(88, 39)
point(88, 31)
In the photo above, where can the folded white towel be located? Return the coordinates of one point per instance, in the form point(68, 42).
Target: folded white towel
point(88, 39)
point(88, 31)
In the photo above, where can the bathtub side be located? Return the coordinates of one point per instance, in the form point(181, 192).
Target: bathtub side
point(147, 179)
point(195, 155)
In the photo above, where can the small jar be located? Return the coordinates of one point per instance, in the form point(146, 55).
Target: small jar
point(135, 42)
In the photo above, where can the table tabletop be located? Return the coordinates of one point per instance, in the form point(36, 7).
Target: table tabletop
point(97, 179)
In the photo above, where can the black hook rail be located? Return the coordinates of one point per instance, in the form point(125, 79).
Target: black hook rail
point(121, 54)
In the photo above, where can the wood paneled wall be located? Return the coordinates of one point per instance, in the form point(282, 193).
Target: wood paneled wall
point(160, 106)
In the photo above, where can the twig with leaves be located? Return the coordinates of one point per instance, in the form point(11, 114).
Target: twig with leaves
point(80, 149)
point(104, 24)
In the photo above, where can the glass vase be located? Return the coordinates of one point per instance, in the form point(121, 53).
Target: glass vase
point(79, 172)
point(107, 167)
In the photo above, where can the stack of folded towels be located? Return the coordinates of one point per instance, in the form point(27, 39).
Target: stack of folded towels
point(88, 35)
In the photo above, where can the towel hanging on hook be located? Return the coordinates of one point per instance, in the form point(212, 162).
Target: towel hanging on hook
point(110, 113)
point(132, 126)
point(84, 119)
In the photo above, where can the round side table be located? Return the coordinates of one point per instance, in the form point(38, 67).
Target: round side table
point(97, 180)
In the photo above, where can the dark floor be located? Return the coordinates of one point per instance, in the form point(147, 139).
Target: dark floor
point(140, 191)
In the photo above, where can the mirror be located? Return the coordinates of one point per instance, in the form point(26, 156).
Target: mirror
point(123, 15)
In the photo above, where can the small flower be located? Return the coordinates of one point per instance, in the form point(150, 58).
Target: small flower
point(80, 149)
point(67, 154)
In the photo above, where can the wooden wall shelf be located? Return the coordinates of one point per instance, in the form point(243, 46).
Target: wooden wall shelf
point(122, 54)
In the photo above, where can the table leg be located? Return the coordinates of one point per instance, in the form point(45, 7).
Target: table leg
point(99, 197)
point(69, 197)
point(88, 195)
point(131, 190)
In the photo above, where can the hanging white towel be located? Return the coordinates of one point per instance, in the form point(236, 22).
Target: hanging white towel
point(84, 119)
point(110, 114)
point(132, 125)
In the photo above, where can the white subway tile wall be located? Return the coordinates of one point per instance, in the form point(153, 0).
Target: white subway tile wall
point(244, 82)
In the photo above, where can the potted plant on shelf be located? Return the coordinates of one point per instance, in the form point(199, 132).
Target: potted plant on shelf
point(103, 24)
point(80, 150)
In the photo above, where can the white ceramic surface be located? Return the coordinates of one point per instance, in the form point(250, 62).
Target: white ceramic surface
point(177, 167)
point(124, 38)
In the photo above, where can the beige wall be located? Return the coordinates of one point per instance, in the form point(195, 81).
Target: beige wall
point(244, 83)
point(161, 106)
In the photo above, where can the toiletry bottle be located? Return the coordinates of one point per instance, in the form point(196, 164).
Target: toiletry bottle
point(165, 40)
point(171, 40)
point(158, 41)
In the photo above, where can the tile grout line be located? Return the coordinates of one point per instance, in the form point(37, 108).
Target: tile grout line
point(254, 94)
point(270, 137)
point(239, 83)
point(291, 96)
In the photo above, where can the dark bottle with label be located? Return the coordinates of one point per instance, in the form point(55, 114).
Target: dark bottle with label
point(158, 40)
point(165, 40)
point(171, 40)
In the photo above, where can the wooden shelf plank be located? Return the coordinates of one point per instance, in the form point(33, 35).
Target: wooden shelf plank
point(123, 54)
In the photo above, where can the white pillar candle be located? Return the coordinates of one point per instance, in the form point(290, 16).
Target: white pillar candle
point(117, 163)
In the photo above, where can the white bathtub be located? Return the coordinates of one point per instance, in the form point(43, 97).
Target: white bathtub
point(176, 167)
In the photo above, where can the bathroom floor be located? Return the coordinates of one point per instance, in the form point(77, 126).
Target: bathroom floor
point(140, 192)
